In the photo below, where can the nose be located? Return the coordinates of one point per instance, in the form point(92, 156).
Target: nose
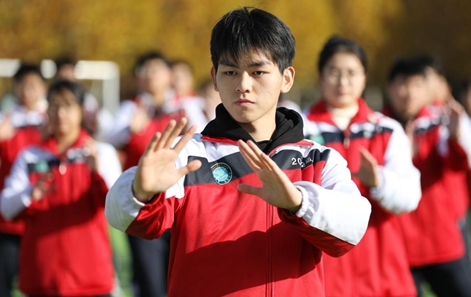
point(344, 79)
point(244, 84)
point(61, 112)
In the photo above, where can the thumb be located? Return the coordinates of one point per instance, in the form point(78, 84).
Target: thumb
point(367, 156)
point(190, 167)
point(248, 189)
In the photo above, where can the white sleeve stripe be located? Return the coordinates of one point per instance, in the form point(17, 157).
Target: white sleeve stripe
point(121, 207)
point(464, 139)
point(341, 215)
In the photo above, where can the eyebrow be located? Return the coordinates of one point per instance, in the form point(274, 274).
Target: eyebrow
point(251, 64)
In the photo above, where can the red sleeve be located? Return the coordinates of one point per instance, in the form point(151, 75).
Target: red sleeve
point(457, 159)
point(98, 189)
point(155, 217)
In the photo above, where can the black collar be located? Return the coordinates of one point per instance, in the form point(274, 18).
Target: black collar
point(289, 128)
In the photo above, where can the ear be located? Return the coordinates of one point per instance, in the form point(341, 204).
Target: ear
point(213, 76)
point(288, 79)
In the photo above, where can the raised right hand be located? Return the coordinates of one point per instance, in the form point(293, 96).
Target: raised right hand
point(140, 119)
point(7, 130)
point(156, 171)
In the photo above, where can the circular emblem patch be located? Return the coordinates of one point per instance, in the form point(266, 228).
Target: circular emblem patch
point(222, 173)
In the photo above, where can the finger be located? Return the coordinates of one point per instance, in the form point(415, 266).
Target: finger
point(367, 155)
point(176, 131)
point(268, 163)
point(254, 152)
point(190, 167)
point(248, 189)
point(249, 156)
point(165, 135)
point(185, 139)
point(151, 147)
point(456, 107)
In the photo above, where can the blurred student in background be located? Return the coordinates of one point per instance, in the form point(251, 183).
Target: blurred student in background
point(58, 188)
point(209, 100)
point(97, 119)
point(136, 122)
point(19, 128)
point(441, 97)
point(183, 80)
point(186, 95)
point(439, 88)
point(284, 101)
point(373, 146)
point(441, 150)
point(464, 96)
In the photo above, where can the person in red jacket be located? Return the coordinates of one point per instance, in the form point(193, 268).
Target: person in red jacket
point(251, 204)
point(373, 146)
point(136, 122)
point(464, 98)
point(441, 150)
point(19, 128)
point(58, 188)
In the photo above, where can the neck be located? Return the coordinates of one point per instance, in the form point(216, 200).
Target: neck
point(258, 132)
point(343, 116)
point(66, 140)
point(158, 98)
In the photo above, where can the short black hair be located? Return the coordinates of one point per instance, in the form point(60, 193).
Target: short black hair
point(243, 30)
point(407, 66)
point(66, 60)
point(152, 55)
point(75, 88)
point(463, 89)
point(183, 62)
point(430, 61)
point(25, 69)
point(337, 44)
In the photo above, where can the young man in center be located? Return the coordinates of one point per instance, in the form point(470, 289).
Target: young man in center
point(251, 204)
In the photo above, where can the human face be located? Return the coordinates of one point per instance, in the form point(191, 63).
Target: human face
point(438, 86)
point(64, 113)
point(249, 89)
point(154, 77)
point(182, 79)
point(29, 90)
point(407, 95)
point(66, 72)
point(343, 80)
point(466, 100)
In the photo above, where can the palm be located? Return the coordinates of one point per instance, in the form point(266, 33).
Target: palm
point(368, 174)
point(276, 189)
point(7, 130)
point(156, 171)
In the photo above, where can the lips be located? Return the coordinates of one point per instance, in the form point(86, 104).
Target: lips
point(243, 102)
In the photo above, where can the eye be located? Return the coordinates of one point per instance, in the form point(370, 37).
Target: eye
point(230, 72)
point(258, 73)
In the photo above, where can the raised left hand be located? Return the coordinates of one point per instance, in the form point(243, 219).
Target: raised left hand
point(91, 154)
point(368, 174)
point(277, 189)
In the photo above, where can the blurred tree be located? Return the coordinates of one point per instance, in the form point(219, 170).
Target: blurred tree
point(121, 30)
